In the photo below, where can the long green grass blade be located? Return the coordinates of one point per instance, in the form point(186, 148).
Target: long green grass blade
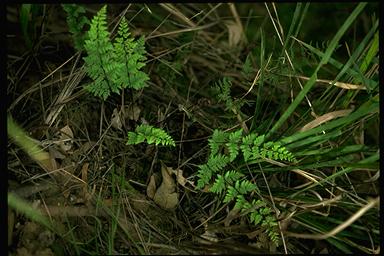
point(324, 60)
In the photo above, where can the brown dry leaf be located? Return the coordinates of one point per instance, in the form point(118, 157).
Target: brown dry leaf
point(346, 86)
point(116, 120)
point(151, 188)
point(325, 118)
point(180, 178)
point(234, 33)
point(166, 195)
point(54, 153)
point(66, 136)
point(132, 112)
point(47, 161)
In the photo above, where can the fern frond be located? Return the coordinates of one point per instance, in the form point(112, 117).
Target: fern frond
point(246, 146)
point(240, 202)
point(218, 162)
point(113, 66)
point(218, 139)
point(100, 65)
point(255, 217)
point(218, 185)
point(247, 68)
point(244, 186)
point(232, 176)
point(131, 54)
point(223, 90)
point(204, 174)
point(151, 134)
point(233, 144)
point(214, 164)
point(76, 22)
point(231, 194)
point(276, 151)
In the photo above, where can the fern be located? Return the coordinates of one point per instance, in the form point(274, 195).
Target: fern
point(76, 22)
point(214, 164)
point(218, 139)
point(232, 176)
point(219, 185)
point(113, 66)
point(100, 65)
point(233, 144)
point(231, 194)
point(151, 134)
point(252, 147)
point(247, 68)
point(223, 90)
point(131, 54)
point(220, 182)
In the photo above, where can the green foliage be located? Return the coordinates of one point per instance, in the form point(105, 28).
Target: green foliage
point(220, 182)
point(132, 55)
point(228, 183)
point(113, 66)
point(76, 22)
point(217, 140)
point(233, 144)
point(247, 69)
point(151, 134)
point(28, 17)
point(252, 146)
point(223, 90)
point(214, 165)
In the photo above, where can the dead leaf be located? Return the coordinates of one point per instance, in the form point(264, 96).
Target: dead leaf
point(180, 178)
point(66, 136)
point(234, 33)
point(54, 153)
point(132, 112)
point(151, 188)
point(116, 120)
point(47, 161)
point(166, 195)
point(346, 86)
point(325, 118)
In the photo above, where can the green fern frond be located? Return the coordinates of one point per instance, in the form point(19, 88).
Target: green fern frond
point(76, 22)
point(233, 144)
point(232, 176)
point(275, 151)
point(247, 68)
point(204, 174)
point(214, 164)
point(131, 54)
point(100, 65)
point(219, 185)
point(218, 139)
point(218, 162)
point(151, 134)
point(223, 90)
point(255, 217)
point(113, 66)
point(246, 146)
point(240, 202)
point(231, 194)
point(245, 186)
